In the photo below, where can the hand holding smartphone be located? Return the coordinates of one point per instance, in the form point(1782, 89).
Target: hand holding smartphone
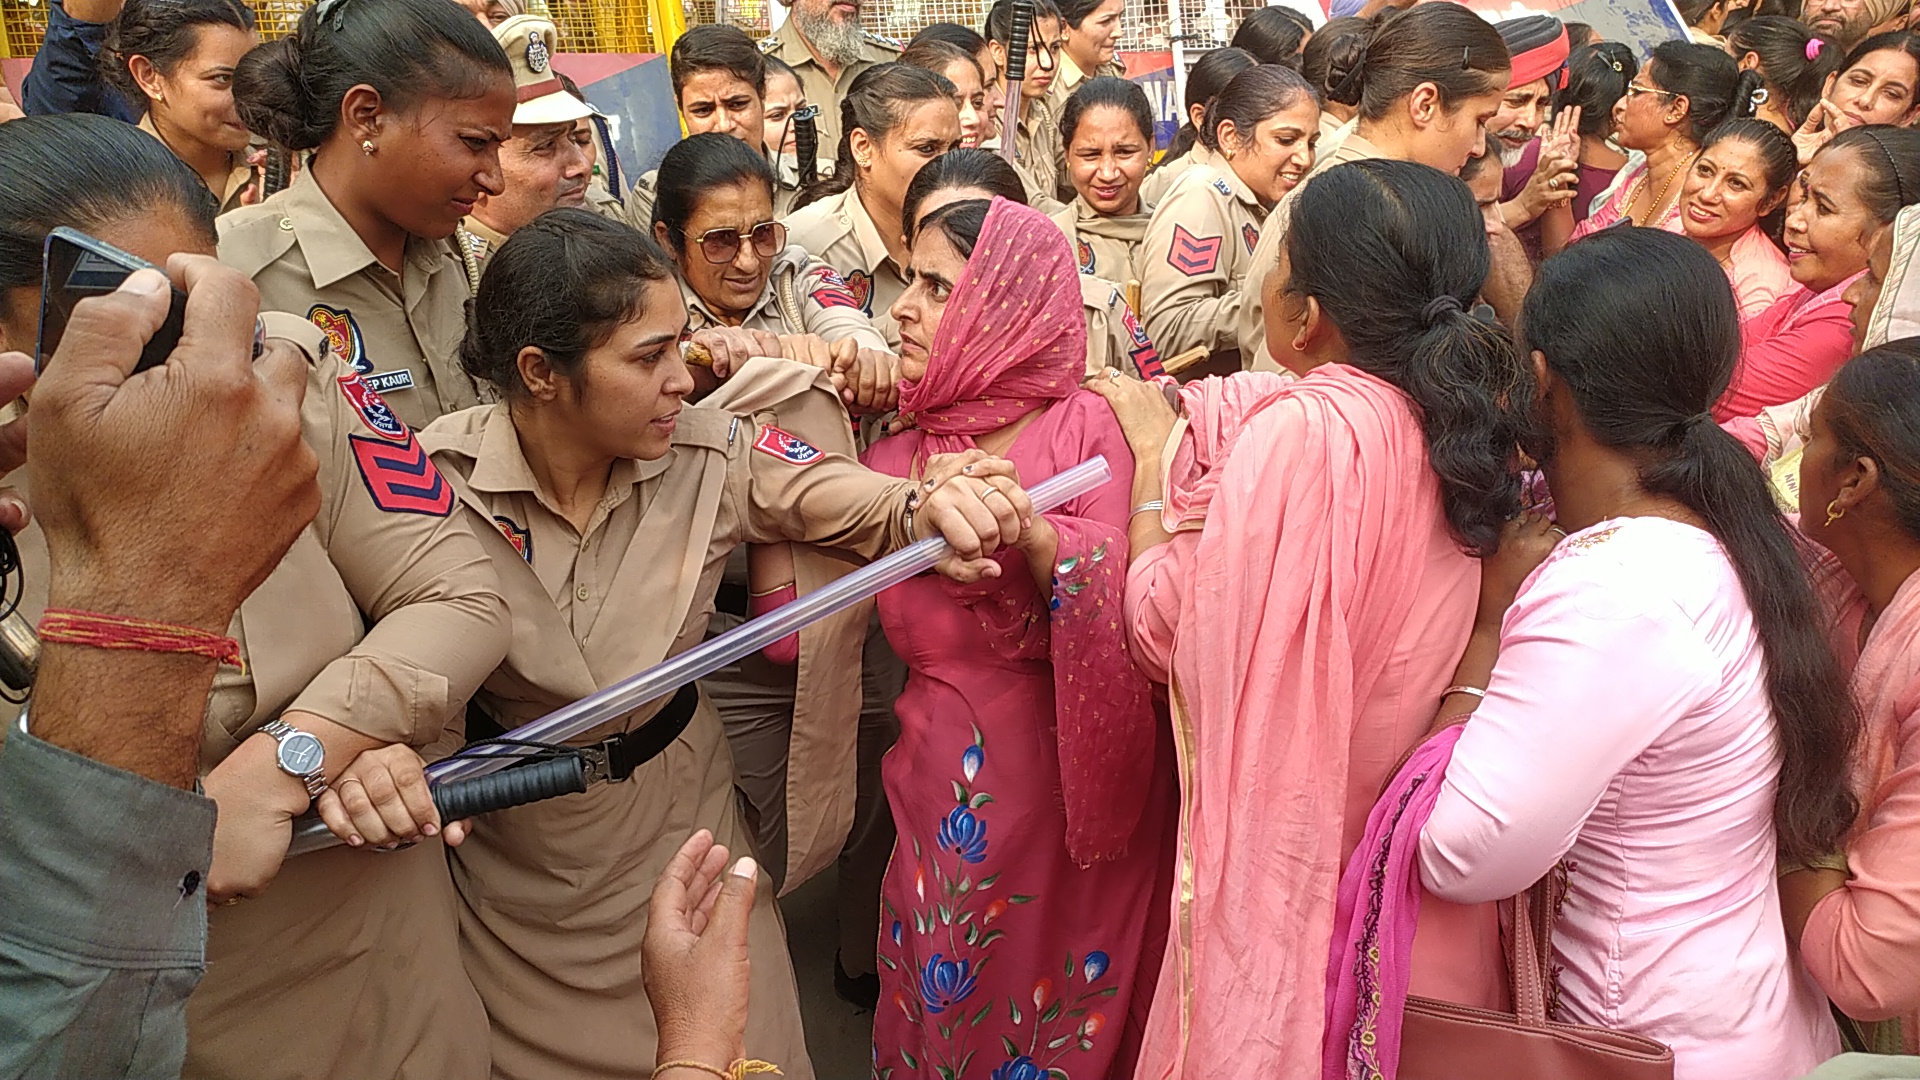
point(79, 266)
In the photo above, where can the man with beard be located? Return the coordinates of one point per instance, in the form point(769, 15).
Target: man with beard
point(823, 43)
point(1846, 23)
point(542, 166)
point(1538, 177)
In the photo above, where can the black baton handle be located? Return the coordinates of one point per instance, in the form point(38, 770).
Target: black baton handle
point(457, 799)
point(1017, 40)
point(806, 144)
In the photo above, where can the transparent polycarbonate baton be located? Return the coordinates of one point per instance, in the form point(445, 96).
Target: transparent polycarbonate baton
point(749, 637)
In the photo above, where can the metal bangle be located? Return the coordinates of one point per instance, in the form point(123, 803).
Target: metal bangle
point(1155, 505)
point(1472, 691)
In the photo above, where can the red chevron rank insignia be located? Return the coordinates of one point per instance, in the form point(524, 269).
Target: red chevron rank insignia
point(1192, 255)
point(830, 290)
point(400, 477)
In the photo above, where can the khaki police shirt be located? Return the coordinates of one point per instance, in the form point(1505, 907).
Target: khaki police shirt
point(481, 242)
point(1037, 142)
point(400, 330)
point(239, 173)
point(1067, 78)
point(820, 298)
point(1103, 245)
point(1193, 262)
point(838, 231)
point(1115, 338)
point(815, 84)
point(1154, 189)
point(1249, 326)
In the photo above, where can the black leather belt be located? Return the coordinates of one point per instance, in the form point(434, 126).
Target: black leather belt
point(616, 757)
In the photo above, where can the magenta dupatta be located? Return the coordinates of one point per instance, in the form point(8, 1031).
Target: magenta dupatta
point(1370, 963)
point(1013, 339)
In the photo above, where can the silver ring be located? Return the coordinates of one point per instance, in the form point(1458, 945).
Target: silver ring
point(1558, 529)
point(1112, 375)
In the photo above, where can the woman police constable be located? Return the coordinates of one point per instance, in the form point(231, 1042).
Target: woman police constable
point(374, 628)
point(405, 104)
point(611, 536)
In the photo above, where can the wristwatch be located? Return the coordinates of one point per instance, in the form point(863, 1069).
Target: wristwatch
point(301, 755)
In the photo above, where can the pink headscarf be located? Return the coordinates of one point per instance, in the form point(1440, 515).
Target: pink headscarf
point(1013, 336)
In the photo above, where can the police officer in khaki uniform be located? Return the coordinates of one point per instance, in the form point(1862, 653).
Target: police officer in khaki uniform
point(609, 570)
point(839, 232)
point(1193, 261)
point(826, 48)
point(391, 299)
point(542, 166)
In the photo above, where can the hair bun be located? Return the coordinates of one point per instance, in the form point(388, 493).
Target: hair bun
point(267, 94)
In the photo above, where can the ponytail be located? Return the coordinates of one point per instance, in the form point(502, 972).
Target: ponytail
point(1714, 86)
point(878, 100)
point(1396, 254)
point(1640, 326)
point(1210, 75)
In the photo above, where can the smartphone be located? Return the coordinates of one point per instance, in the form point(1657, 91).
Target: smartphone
point(79, 266)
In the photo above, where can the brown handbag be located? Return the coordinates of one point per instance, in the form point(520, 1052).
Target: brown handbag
point(1443, 1041)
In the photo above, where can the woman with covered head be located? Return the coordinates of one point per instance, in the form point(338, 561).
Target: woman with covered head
point(1030, 788)
point(1319, 532)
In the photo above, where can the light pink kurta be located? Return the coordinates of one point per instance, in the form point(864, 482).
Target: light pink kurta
point(1757, 269)
point(1627, 728)
point(1310, 624)
point(1862, 942)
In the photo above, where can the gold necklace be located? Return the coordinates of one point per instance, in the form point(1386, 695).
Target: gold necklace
point(1653, 210)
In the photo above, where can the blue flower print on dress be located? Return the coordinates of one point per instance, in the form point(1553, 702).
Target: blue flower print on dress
point(1095, 966)
point(964, 835)
point(971, 761)
point(1020, 1068)
point(945, 983)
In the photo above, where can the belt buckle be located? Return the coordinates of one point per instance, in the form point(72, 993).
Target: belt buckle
point(595, 763)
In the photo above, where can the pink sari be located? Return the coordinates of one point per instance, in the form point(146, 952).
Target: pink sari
point(1316, 618)
point(1030, 789)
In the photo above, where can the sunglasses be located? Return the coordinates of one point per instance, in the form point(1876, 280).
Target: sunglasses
point(769, 238)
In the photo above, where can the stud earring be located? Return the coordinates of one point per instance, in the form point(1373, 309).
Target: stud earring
point(366, 147)
point(1835, 511)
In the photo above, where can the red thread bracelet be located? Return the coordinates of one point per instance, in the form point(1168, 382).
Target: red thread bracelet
point(62, 626)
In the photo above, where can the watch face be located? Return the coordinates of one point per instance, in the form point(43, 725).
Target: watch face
point(301, 753)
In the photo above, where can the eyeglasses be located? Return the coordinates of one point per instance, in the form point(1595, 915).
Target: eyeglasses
point(1634, 89)
point(769, 238)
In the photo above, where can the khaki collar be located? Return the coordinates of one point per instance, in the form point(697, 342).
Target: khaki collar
point(500, 467)
point(793, 258)
point(238, 171)
point(332, 249)
point(867, 234)
point(485, 232)
point(1224, 170)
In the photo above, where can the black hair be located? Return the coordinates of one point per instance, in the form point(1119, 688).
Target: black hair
point(717, 47)
point(1873, 407)
point(1777, 154)
point(1210, 75)
point(1447, 45)
point(1886, 166)
point(86, 172)
point(1902, 41)
point(777, 66)
point(1274, 35)
point(166, 32)
point(1597, 77)
point(1075, 12)
point(1780, 44)
point(1487, 158)
point(1579, 35)
point(936, 56)
point(1334, 52)
point(878, 100)
point(1252, 96)
point(1396, 254)
point(572, 88)
point(1640, 327)
point(960, 37)
point(998, 25)
point(408, 50)
point(1713, 84)
point(1692, 11)
point(697, 165)
point(960, 222)
point(1106, 91)
point(966, 167)
point(562, 284)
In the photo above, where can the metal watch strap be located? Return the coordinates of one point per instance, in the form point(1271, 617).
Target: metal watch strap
point(315, 781)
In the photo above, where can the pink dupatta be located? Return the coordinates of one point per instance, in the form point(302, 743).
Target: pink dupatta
point(1013, 339)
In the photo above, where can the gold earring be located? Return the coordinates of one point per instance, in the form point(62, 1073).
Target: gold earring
point(366, 147)
point(1835, 511)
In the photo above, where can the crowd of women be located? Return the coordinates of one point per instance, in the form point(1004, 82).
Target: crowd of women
point(1515, 505)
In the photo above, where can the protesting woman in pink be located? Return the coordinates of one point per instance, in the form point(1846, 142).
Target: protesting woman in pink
point(1860, 499)
point(1661, 715)
point(1029, 788)
point(1308, 592)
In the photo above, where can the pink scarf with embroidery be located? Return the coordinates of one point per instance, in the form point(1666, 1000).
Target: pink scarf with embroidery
point(1013, 337)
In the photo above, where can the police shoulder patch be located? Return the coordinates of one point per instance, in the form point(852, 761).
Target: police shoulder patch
point(1251, 236)
point(1084, 251)
point(789, 448)
point(1145, 356)
point(1220, 185)
point(401, 478)
point(373, 409)
point(521, 539)
point(830, 290)
point(860, 284)
point(343, 335)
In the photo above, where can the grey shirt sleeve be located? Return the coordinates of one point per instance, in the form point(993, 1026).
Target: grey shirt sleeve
point(103, 918)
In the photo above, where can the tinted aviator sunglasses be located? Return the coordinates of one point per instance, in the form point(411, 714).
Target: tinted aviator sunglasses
point(769, 238)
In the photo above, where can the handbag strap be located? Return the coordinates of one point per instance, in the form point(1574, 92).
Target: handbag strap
point(1531, 961)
